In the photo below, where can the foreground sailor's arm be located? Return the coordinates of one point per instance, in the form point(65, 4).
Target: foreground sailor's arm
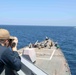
point(12, 60)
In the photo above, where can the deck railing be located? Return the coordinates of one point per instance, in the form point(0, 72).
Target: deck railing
point(29, 68)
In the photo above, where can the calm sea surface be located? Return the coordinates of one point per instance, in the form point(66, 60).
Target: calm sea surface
point(65, 36)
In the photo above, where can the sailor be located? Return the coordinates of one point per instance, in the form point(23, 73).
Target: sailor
point(8, 58)
point(56, 45)
point(46, 38)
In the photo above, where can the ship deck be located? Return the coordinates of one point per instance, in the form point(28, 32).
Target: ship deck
point(51, 60)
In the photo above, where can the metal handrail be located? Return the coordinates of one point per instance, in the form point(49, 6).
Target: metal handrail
point(31, 67)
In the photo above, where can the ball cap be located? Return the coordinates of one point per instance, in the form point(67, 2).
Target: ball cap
point(4, 34)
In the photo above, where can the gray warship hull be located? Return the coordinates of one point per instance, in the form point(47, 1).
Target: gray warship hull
point(50, 59)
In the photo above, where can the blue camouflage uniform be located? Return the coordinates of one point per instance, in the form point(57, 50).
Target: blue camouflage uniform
point(9, 59)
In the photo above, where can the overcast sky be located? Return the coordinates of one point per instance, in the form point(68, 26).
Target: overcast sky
point(38, 12)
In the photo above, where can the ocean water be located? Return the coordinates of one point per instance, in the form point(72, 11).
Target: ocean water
point(65, 36)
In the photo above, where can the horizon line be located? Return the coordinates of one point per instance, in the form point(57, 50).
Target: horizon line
point(38, 25)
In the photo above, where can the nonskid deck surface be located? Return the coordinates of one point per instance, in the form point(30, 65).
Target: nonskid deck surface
point(55, 64)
